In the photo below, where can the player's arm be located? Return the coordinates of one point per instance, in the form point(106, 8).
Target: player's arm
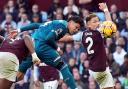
point(104, 8)
point(70, 38)
point(29, 43)
point(66, 38)
point(31, 26)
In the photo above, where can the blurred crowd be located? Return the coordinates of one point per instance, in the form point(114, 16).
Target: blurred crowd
point(18, 14)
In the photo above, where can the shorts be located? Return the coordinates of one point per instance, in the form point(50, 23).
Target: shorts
point(104, 79)
point(9, 65)
point(51, 84)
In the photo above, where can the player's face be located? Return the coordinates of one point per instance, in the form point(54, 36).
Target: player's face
point(73, 27)
point(94, 23)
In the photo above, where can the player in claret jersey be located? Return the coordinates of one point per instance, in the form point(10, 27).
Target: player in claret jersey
point(92, 40)
point(12, 52)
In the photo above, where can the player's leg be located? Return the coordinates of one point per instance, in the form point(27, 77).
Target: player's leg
point(8, 69)
point(5, 84)
point(51, 57)
point(104, 79)
point(108, 80)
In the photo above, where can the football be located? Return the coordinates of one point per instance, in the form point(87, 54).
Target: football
point(108, 28)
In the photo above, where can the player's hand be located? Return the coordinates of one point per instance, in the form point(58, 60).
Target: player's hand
point(103, 7)
point(37, 83)
point(35, 59)
point(20, 76)
point(59, 51)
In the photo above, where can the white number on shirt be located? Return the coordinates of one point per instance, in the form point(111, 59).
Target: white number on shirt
point(90, 41)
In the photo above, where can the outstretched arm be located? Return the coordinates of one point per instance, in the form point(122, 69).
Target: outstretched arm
point(31, 26)
point(66, 38)
point(29, 43)
point(104, 8)
point(71, 38)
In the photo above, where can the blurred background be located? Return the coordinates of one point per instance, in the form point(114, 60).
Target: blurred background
point(17, 13)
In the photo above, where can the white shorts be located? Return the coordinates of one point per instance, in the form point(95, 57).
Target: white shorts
point(9, 65)
point(51, 84)
point(104, 79)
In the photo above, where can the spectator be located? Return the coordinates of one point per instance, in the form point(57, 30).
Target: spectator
point(4, 13)
point(22, 10)
point(8, 24)
point(77, 51)
point(77, 77)
point(124, 67)
point(68, 52)
point(119, 55)
point(52, 10)
point(24, 21)
point(72, 6)
point(124, 31)
point(83, 57)
point(118, 85)
point(35, 11)
point(58, 15)
point(12, 9)
point(114, 67)
point(85, 73)
point(72, 64)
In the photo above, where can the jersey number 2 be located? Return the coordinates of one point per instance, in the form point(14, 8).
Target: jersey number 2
point(90, 41)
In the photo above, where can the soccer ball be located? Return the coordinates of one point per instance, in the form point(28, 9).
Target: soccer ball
point(108, 28)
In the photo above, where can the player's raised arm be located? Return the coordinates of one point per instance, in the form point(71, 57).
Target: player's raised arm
point(104, 8)
point(31, 26)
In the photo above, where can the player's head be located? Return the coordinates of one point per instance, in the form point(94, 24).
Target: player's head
point(74, 24)
point(92, 21)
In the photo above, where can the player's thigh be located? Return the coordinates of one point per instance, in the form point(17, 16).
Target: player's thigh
point(104, 79)
point(50, 56)
point(8, 66)
point(5, 84)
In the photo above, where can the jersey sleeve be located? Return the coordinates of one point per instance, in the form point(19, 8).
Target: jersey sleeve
point(25, 65)
point(31, 26)
point(78, 36)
